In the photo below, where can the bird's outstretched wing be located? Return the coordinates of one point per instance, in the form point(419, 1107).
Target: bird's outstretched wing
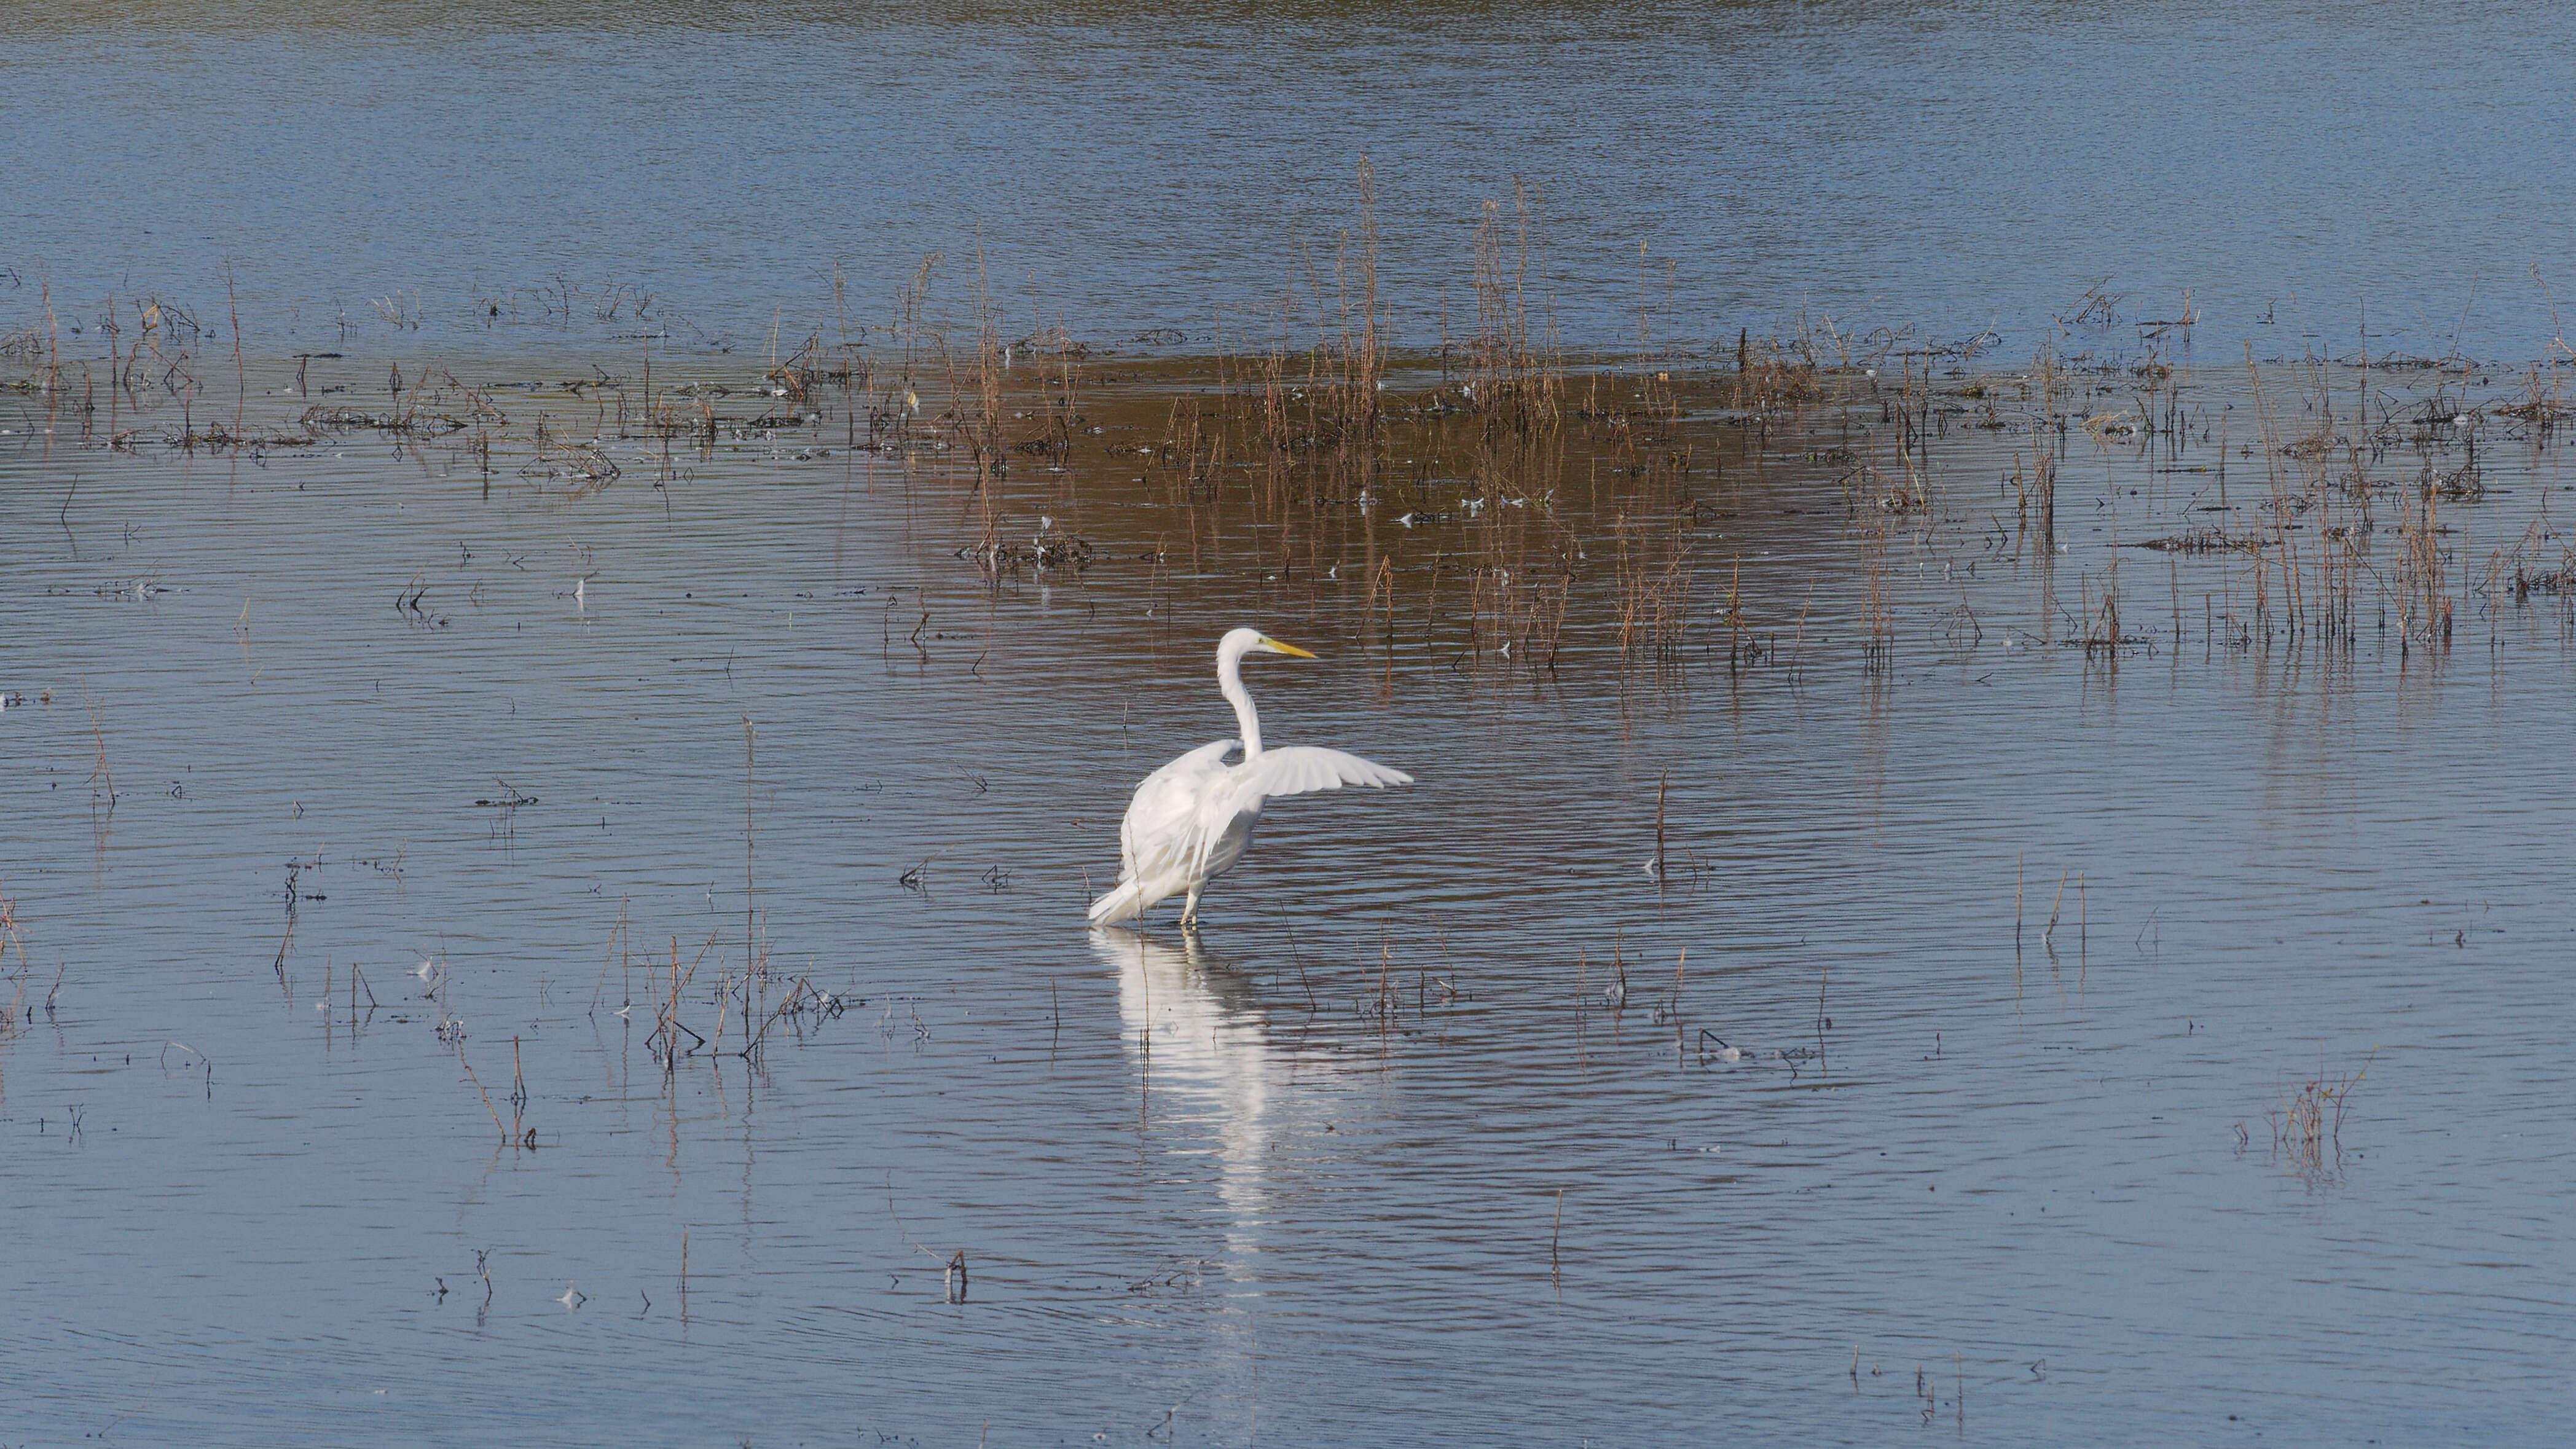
point(1299, 769)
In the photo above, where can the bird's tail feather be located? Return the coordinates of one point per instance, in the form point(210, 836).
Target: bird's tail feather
point(1125, 902)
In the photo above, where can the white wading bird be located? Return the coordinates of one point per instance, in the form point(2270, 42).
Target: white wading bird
point(1192, 818)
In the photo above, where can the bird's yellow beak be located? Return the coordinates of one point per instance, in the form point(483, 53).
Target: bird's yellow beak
point(1291, 650)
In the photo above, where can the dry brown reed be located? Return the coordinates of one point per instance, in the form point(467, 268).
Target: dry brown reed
point(2307, 1123)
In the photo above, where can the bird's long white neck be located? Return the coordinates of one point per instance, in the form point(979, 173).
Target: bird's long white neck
point(1229, 677)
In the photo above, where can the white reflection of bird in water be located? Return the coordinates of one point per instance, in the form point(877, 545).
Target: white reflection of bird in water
point(1197, 1040)
point(1215, 1092)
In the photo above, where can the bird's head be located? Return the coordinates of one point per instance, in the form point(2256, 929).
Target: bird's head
point(1240, 642)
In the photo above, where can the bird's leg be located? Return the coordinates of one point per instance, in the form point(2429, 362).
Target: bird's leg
point(1190, 909)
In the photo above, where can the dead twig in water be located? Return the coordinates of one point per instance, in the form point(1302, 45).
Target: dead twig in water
point(102, 780)
point(478, 1091)
point(1661, 786)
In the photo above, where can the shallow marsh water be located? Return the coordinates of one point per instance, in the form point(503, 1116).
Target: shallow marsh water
point(1373, 1150)
point(1372, 1158)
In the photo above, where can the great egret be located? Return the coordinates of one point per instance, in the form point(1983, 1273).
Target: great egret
point(1192, 818)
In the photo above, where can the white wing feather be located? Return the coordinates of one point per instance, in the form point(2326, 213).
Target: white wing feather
point(1229, 809)
point(1301, 769)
